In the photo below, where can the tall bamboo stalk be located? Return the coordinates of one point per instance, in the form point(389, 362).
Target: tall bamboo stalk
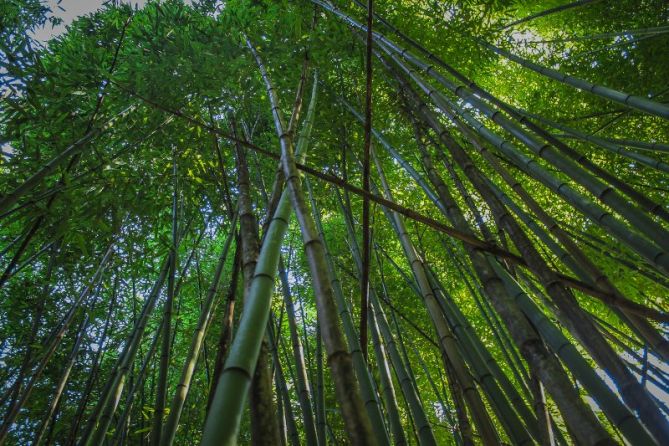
point(183, 387)
point(168, 308)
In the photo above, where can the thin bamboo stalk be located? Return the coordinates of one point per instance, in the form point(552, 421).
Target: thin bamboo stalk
point(184, 384)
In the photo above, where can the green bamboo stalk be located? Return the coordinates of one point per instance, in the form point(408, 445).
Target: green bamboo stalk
point(168, 308)
point(302, 387)
point(585, 424)
point(264, 423)
point(139, 380)
point(172, 422)
point(468, 84)
point(571, 314)
point(319, 393)
point(282, 386)
point(386, 387)
point(447, 342)
point(618, 414)
point(54, 341)
point(225, 336)
point(98, 423)
point(629, 100)
point(358, 425)
point(365, 380)
point(62, 382)
point(602, 191)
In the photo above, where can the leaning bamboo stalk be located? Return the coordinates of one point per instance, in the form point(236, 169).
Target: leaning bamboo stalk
point(58, 393)
point(264, 423)
point(286, 415)
point(629, 100)
point(97, 426)
point(365, 379)
point(447, 340)
point(521, 117)
point(526, 249)
point(585, 424)
point(225, 336)
point(54, 342)
point(647, 249)
point(172, 422)
point(386, 388)
point(602, 191)
point(579, 323)
point(457, 322)
point(630, 312)
point(641, 245)
point(618, 414)
point(484, 370)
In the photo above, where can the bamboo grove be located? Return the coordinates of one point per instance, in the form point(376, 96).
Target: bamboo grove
point(326, 222)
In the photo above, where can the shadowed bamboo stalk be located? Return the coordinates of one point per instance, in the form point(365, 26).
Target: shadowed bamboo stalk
point(168, 308)
point(62, 382)
point(54, 341)
point(264, 424)
point(225, 336)
point(285, 413)
point(102, 414)
point(386, 387)
point(407, 384)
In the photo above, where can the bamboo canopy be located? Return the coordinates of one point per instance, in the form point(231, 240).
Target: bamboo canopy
point(324, 222)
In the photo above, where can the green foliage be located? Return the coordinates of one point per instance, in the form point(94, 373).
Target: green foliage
point(170, 60)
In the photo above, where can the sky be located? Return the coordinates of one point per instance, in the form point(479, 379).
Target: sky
point(70, 10)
